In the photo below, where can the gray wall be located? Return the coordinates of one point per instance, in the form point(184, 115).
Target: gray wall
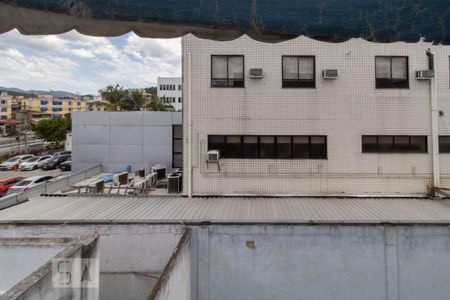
point(118, 139)
point(271, 262)
point(178, 284)
point(322, 262)
point(131, 256)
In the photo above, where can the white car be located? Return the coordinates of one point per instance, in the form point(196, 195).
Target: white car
point(28, 183)
point(34, 163)
point(14, 161)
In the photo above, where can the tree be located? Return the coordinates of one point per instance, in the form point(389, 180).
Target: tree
point(52, 130)
point(136, 100)
point(157, 105)
point(113, 96)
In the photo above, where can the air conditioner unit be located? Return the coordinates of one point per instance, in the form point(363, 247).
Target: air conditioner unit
point(160, 170)
point(424, 74)
point(256, 73)
point(120, 178)
point(213, 155)
point(330, 74)
point(151, 179)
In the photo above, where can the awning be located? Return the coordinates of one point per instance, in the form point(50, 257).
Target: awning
point(266, 20)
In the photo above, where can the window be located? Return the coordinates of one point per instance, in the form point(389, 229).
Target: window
point(250, 147)
point(284, 147)
point(179, 99)
point(394, 144)
point(177, 146)
point(444, 144)
point(298, 71)
point(179, 87)
point(227, 71)
point(232, 147)
point(269, 147)
point(391, 72)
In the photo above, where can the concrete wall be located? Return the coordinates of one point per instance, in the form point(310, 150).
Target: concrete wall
point(19, 261)
point(343, 109)
point(32, 268)
point(118, 139)
point(321, 262)
point(131, 256)
point(177, 285)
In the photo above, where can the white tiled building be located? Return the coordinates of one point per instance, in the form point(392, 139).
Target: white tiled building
point(294, 132)
point(170, 90)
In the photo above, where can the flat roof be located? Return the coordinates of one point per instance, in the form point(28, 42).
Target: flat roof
point(229, 210)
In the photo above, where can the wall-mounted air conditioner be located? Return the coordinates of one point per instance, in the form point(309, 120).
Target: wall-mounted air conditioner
point(256, 73)
point(213, 156)
point(424, 74)
point(330, 74)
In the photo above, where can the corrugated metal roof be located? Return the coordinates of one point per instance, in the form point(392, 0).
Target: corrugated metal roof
point(227, 210)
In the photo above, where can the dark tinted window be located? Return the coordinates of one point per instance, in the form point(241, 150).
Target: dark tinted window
point(227, 71)
point(267, 147)
point(250, 147)
point(444, 144)
point(394, 144)
point(284, 147)
point(298, 71)
point(233, 147)
point(391, 72)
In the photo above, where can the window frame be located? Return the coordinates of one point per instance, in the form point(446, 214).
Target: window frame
point(394, 151)
point(275, 145)
point(299, 81)
point(227, 79)
point(390, 83)
point(440, 150)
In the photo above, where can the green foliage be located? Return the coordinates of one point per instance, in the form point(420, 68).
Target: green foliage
point(117, 99)
point(157, 105)
point(52, 130)
point(113, 96)
point(136, 100)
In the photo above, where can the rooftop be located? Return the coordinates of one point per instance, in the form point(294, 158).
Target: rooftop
point(226, 210)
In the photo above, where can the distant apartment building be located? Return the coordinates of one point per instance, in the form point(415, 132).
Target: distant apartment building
point(170, 90)
point(45, 104)
point(308, 117)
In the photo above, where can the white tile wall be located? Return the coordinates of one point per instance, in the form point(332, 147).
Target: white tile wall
point(342, 109)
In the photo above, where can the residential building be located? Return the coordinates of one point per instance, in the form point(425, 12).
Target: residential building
point(286, 129)
point(8, 105)
point(170, 90)
point(46, 104)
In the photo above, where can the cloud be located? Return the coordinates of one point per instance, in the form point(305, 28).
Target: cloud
point(79, 63)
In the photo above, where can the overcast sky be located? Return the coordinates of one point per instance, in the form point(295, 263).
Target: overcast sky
point(82, 64)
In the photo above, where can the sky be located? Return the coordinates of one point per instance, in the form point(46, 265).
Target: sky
point(82, 64)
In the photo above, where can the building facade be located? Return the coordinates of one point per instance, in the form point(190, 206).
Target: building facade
point(170, 90)
point(46, 104)
point(289, 130)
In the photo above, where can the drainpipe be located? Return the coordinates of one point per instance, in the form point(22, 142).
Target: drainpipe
point(434, 120)
point(189, 126)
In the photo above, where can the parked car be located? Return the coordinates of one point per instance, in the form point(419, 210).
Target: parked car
point(14, 161)
point(66, 166)
point(28, 183)
point(54, 162)
point(61, 153)
point(6, 183)
point(34, 163)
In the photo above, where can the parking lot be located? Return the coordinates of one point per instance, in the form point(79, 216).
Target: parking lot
point(55, 173)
